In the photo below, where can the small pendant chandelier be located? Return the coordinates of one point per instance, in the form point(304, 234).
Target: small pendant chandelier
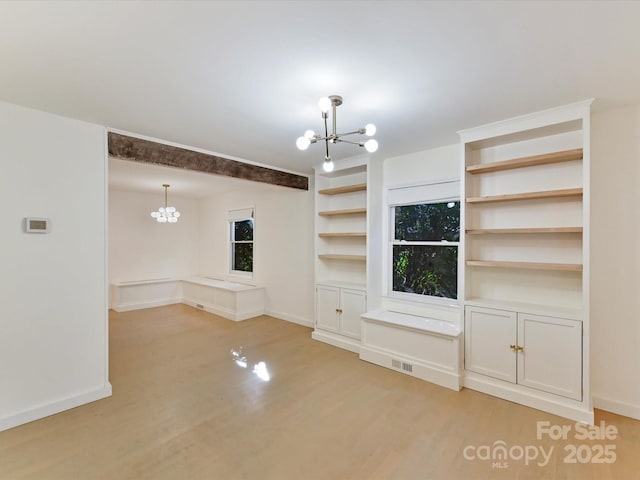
point(331, 103)
point(166, 214)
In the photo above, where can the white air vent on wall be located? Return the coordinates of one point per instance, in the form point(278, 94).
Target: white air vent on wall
point(407, 367)
point(36, 225)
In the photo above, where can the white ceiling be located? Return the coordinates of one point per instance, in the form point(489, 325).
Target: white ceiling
point(242, 78)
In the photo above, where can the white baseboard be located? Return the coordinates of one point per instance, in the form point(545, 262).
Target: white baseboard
point(339, 341)
point(550, 403)
point(419, 370)
point(140, 306)
point(55, 407)
point(616, 406)
point(290, 318)
point(228, 314)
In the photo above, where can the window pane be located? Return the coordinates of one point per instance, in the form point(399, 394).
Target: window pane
point(426, 270)
point(428, 222)
point(243, 257)
point(243, 230)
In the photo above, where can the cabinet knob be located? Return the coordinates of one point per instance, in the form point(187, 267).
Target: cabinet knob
point(338, 310)
point(512, 347)
point(519, 348)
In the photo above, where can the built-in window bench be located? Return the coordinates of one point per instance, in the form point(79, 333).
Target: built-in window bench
point(423, 347)
point(149, 293)
point(235, 301)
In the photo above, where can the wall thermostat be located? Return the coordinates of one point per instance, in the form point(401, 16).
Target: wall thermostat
point(37, 225)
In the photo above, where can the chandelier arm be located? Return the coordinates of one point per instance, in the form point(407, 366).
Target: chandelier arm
point(359, 131)
point(360, 144)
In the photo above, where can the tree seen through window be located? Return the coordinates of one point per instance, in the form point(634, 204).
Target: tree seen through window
point(242, 245)
point(425, 249)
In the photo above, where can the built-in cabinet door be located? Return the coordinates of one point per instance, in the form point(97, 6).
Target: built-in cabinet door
point(490, 340)
point(353, 303)
point(551, 355)
point(328, 308)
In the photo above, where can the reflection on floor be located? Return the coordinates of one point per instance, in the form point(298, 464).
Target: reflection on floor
point(259, 369)
point(184, 408)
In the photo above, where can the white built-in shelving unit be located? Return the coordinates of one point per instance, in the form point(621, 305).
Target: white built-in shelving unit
point(341, 246)
point(525, 189)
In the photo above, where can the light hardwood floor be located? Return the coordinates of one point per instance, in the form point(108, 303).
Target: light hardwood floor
point(183, 409)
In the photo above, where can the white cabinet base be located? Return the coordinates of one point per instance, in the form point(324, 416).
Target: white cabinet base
point(429, 373)
point(337, 340)
point(338, 311)
point(421, 347)
point(529, 359)
point(529, 397)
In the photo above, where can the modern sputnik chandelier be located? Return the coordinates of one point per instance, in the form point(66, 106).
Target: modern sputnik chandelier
point(325, 104)
point(166, 214)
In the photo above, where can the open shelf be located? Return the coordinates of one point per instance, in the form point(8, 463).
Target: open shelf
point(331, 256)
point(360, 187)
point(483, 231)
point(567, 192)
point(348, 211)
point(562, 267)
point(547, 158)
point(342, 235)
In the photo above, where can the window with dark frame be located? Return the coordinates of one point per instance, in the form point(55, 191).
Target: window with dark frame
point(242, 245)
point(425, 249)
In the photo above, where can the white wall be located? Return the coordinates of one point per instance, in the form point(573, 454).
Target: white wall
point(53, 309)
point(140, 248)
point(434, 164)
point(442, 163)
point(615, 260)
point(283, 236)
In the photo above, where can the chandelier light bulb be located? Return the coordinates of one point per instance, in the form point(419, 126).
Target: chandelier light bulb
point(324, 104)
point(370, 130)
point(309, 134)
point(371, 145)
point(328, 165)
point(303, 143)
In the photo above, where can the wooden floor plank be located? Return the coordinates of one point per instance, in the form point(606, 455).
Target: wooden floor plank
point(183, 409)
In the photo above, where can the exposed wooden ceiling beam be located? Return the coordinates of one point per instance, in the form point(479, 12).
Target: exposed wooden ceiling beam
point(146, 151)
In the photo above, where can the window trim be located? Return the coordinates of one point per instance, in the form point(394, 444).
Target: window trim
point(240, 215)
point(420, 197)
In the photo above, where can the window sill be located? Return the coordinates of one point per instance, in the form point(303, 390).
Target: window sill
point(412, 298)
point(239, 274)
